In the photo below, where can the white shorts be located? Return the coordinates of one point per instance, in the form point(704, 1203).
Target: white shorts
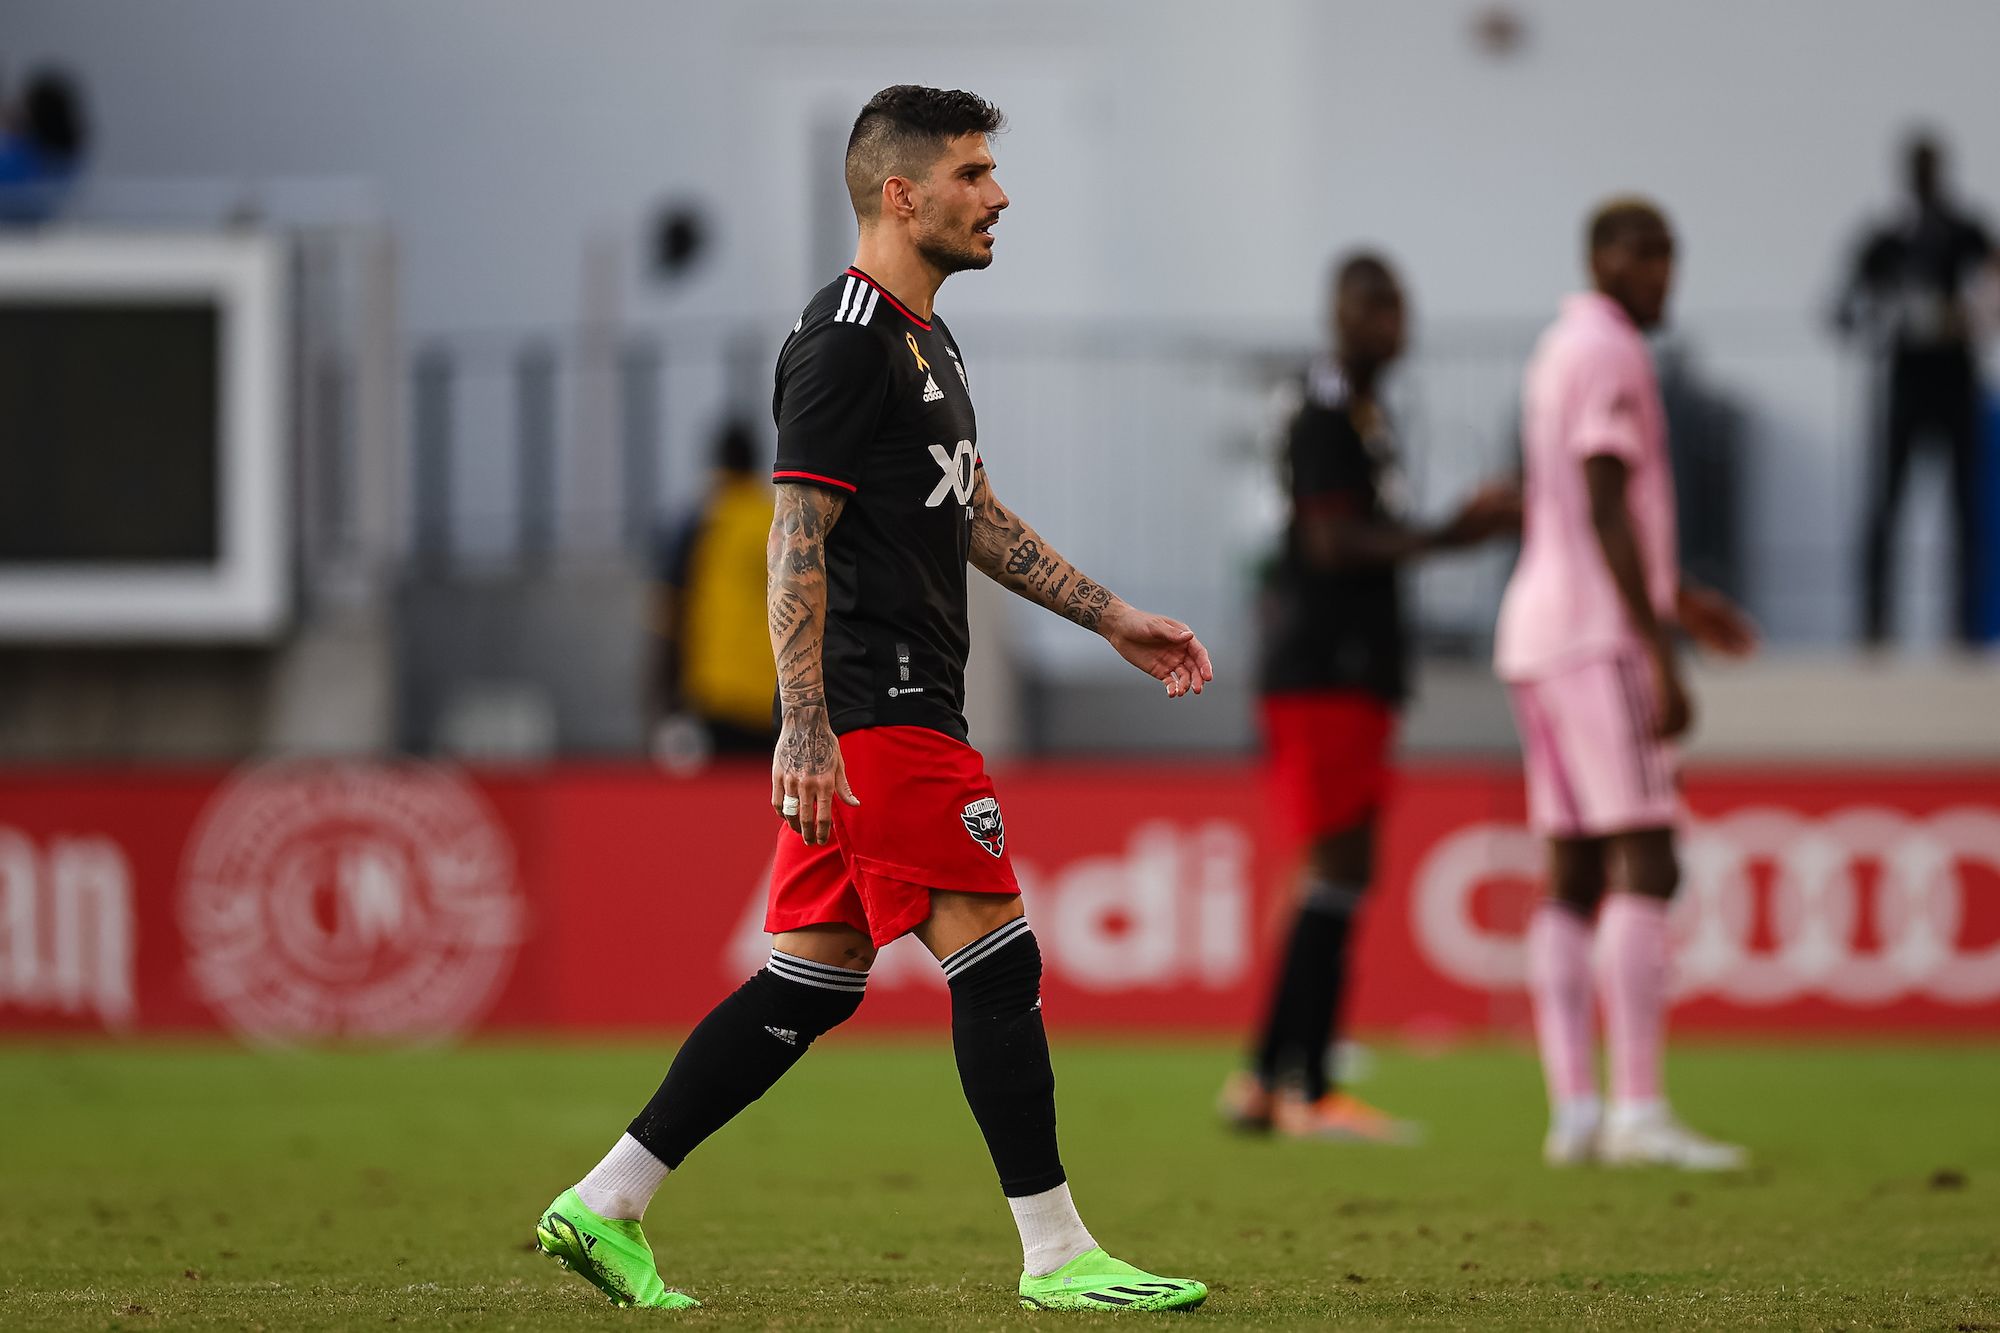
point(1594, 764)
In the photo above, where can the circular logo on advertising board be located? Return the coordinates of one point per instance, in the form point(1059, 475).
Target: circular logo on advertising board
point(1917, 882)
point(325, 899)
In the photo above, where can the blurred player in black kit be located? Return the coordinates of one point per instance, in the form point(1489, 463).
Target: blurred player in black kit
point(1335, 673)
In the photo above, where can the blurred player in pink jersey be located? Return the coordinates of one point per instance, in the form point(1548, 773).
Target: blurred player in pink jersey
point(1586, 641)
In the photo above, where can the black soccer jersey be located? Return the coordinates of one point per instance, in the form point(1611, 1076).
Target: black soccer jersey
point(1919, 268)
point(1335, 629)
point(873, 403)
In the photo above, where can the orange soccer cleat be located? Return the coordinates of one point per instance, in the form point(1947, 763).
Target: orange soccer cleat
point(1245, 1103)
point(1341, 1117)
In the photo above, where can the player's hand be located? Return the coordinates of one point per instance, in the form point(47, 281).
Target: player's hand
point(807, 774)
point(1491, 511)
point(1676, 713)
point(1715, 622)
point(1164, 649)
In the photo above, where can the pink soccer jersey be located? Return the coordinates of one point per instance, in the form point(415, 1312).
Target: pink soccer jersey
point(1590, 389)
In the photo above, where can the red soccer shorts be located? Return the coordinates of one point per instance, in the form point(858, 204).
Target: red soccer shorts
point(1328, 752)
point(928, 819)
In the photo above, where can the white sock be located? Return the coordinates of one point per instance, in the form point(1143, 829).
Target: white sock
point(1578, 1115)
point(623, 1183)
point(1051, 1232)
point(1625, 1115)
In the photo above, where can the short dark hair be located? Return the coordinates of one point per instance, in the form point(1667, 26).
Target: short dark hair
point(1923, 162)
point(902, 131)
point(1616, 218)
point(52, 114)
point(736, 447)
point(1359, 267)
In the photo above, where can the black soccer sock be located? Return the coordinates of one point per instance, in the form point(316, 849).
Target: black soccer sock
point(1003, 1055)
point(742, 1048)
point(1309, 988)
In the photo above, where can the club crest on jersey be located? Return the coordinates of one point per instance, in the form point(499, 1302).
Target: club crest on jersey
point(958, 465)
point(982, 821)
point(958, 365)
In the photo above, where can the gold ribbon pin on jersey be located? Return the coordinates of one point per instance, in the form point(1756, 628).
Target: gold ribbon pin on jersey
point(922, 364)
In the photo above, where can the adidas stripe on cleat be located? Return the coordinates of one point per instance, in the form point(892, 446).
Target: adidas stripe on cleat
point(1095, 1281)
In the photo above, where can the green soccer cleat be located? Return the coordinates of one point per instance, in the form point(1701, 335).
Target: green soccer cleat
point(611, 1255)
point(1095, 1281)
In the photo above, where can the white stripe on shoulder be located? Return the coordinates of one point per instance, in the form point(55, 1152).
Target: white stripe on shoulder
point(846, 294)
point(867, 312)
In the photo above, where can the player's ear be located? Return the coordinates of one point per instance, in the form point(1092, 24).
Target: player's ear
point(899, 197)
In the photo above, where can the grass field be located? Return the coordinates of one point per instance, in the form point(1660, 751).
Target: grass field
point(198, 1186)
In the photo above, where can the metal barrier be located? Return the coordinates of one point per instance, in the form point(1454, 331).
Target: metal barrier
point(520, 459)
point(1150, 457)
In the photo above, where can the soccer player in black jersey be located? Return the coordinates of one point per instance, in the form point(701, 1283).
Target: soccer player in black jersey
point(891, 824)
point(1335, 673)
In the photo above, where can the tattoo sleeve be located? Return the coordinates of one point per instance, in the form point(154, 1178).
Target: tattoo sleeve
point(795, 602)
point(1015, 556)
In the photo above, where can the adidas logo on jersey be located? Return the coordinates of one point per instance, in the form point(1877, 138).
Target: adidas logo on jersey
point(931, 391)
point(786, 1035)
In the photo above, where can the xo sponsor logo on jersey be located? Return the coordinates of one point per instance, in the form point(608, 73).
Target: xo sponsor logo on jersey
point(349, 900)
point(1811, 942)
point(959, 466)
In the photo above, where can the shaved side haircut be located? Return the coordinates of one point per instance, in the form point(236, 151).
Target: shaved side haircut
point(902, 131)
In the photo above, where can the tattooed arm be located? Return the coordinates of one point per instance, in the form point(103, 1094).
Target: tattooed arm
point(1015, 556)
point(807, 764)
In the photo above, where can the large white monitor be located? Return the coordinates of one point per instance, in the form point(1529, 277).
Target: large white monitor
point(144, 487)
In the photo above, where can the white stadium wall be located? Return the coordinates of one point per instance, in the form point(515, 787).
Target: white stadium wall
point(1175, 166)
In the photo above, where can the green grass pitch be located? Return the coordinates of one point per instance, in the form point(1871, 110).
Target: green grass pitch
point(198, 1186)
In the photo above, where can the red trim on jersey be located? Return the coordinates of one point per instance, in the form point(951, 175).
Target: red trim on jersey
point(890, 299)
point(813, 476)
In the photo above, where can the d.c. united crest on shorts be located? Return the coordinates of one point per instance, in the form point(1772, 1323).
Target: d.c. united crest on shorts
point(982, 821)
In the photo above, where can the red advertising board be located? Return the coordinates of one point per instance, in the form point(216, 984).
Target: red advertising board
point(314, 901)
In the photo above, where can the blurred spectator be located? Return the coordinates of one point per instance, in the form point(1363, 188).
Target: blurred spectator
point(44, 135)
point(713, 678)
point(1906, 292)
